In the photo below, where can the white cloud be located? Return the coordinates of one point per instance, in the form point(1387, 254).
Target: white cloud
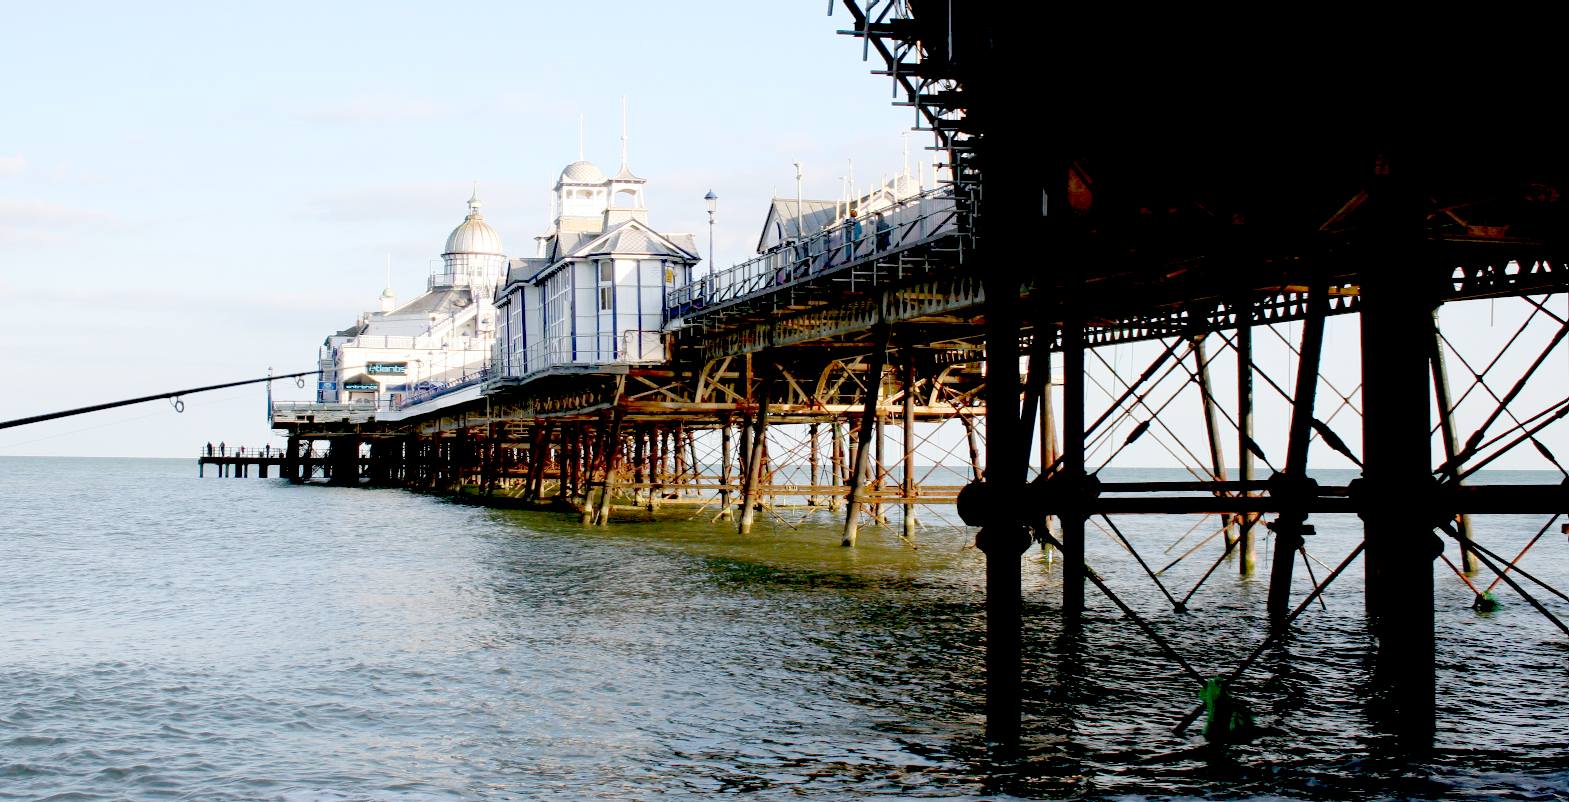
point(12, 165)
point(40, 221)
point(375, 108)
point(410, 201)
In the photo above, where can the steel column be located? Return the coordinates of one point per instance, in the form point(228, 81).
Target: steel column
point(863, 438)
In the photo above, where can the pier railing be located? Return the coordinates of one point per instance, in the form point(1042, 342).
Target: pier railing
point(413, 342)
point(628, 347)
point(224, 450)
point(426, 390)
point(312, 412)
point(912, 221)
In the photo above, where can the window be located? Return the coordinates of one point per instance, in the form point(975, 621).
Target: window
point(606, 289)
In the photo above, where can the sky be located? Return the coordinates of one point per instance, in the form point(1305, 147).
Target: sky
point(198, 193)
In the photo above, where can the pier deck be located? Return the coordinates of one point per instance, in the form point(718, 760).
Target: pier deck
point(241, 462)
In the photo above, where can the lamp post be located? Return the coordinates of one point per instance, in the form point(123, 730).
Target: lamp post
point(800, 214)
point(713, 204)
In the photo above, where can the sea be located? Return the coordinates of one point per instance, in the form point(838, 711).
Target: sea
point(165, 637)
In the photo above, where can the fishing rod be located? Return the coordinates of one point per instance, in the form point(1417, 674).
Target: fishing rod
point(175, 394)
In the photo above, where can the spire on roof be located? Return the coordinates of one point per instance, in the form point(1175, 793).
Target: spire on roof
point(625, 174)
point(474, 203)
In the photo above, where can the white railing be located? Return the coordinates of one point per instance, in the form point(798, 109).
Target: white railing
point(914, 220)
point(302, 411)
point(422, 391)
point(628, 347)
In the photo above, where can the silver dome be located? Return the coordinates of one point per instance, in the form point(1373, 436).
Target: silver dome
point(582, 172)
point(474, 235)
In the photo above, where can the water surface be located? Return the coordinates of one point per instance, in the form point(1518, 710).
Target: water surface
point(164, 637)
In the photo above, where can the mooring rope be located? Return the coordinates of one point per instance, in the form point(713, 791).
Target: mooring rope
point(174, 394)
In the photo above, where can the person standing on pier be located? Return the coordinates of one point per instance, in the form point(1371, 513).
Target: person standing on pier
point(852, 235)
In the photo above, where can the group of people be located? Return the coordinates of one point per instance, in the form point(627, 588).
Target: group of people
point(222, 451)
point(841, 246)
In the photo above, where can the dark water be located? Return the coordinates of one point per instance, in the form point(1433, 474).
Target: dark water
point(163, 637)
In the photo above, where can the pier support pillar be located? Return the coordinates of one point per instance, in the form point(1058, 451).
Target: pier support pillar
point(754, 459)
point(725, 509)
point(977, 473)
point(308, 460)
point(877, 477)
point(612, 462)
point(1073, 446)
point(1247, 553)
point(863, 436)
point(812, 459)
point(1290, 525)
point(1400, 501)
point(344, 456)
point(908, 489)
point(836, 460)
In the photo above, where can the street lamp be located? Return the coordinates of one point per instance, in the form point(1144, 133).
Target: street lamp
point(713, 204)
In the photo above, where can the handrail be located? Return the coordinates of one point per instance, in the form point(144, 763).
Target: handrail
point(226, 451)
point(344, 406)
point(426, 390)
point(911, 221)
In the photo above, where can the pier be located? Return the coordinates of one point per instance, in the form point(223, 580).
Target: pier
point(819, 375)
point(240, 462)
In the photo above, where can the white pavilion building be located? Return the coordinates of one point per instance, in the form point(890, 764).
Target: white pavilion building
point(441, 337)
point(593, 294)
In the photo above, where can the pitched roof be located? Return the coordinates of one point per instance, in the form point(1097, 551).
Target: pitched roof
point(632, 237)
point(783, 213)
point(438, 301)
point(524, 268)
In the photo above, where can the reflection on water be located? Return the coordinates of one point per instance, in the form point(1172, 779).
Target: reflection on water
point(168, 638)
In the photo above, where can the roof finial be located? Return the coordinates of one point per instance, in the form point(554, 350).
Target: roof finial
point(474, 200)
point(623, 132)
point(580, 137)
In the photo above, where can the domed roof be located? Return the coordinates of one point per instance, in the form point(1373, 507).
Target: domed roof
point(583, 172)
point(474, 235)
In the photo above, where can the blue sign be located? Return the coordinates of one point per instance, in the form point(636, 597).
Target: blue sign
point(386, 368)
point(361, 386)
